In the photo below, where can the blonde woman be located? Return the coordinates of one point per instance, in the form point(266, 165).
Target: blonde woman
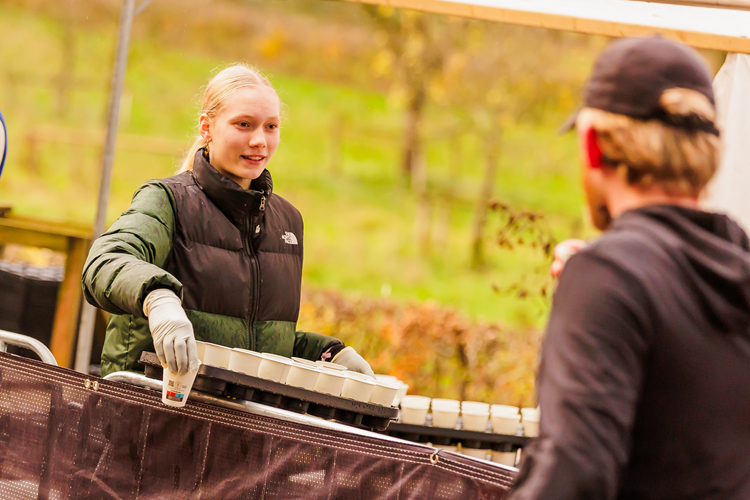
point(211, 253)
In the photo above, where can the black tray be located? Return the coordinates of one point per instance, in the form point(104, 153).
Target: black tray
point(222, 382)
point(445, 437)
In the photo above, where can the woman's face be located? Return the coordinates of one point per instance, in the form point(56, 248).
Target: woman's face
point(244, 135)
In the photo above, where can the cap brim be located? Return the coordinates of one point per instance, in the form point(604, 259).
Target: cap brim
point(569, 123)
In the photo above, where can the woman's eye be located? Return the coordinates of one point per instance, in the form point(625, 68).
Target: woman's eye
point(273, 126)
point(244, 124)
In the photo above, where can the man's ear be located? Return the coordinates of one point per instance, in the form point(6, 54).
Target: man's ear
point(592, 148)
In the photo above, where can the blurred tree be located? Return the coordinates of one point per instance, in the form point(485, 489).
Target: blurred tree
point(66, 73)
point(415, 47)
point(434, 349)
point(509, 75)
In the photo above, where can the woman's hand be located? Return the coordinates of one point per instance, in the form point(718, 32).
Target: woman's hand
point(348, 357)
point(172, 331)
point(563, 252)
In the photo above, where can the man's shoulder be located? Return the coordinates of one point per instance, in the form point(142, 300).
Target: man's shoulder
point(618, 259)
point(624, 246)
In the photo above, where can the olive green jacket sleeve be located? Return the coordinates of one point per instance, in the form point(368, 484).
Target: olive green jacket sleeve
point(125, 263)
point(311, 345)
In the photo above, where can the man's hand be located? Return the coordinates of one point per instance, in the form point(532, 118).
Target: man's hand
point(563, 252)
point(172, 331)
point(348, 357)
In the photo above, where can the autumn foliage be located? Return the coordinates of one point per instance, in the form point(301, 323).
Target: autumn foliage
point(434, 349)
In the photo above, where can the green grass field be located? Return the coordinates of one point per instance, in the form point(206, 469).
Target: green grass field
point(360, 235)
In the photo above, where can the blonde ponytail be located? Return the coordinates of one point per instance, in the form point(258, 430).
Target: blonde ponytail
point(218, 91)
point(189, 158)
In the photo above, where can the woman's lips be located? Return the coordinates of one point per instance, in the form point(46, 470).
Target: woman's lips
point(253, 159)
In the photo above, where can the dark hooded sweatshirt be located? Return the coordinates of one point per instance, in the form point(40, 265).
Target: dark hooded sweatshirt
point(644, 383)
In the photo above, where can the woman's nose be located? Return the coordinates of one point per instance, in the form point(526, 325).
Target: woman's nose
point(257, 138)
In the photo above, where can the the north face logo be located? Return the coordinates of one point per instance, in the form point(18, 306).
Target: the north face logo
point(289, 238)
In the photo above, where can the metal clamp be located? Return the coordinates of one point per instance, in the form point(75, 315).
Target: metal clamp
point(26, 342)
point(88, 384)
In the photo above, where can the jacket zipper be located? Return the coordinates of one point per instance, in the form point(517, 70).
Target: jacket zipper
point(249, 234)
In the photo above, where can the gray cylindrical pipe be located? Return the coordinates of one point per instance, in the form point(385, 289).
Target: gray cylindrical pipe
point(16, 339)
point(88, 314)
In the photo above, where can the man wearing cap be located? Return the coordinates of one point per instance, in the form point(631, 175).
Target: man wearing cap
point(644, 382)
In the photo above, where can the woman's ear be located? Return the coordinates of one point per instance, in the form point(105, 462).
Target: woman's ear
point(204, 127)
point(592, 148)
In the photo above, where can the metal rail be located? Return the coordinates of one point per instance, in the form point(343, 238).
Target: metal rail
point(18, 340)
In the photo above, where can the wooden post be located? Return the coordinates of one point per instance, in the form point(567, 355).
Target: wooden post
point(492, 151)
point(5, 209)
point(64, 329)
point(31, 159)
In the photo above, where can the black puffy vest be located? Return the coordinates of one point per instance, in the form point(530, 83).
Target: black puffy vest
point(237, 253)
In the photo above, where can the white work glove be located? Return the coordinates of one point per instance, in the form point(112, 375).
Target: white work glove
point(348, 357)
point(172, 331)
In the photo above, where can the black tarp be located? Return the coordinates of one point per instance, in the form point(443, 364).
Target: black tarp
point(64, 435)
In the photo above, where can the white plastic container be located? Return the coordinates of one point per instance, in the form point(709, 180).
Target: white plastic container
point(400, 393)
point(411, 399)
point(445, 416)
point(216, 355)
point(475, 405)
point(446, 403)
point(530, 421)
point(176, 387)
point(244, 361)
point(303, 375)
point(384, 393)
point(504, 457)
point(330, 382)
point(274, 367)
point(358, 388)
point(307, 362)
point(414, 409)
point(472, 452)
point(505, 419)
point(201, 349)
point(361, 376)
point(331, 366)
point(475, 419)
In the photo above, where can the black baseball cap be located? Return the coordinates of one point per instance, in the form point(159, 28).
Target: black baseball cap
point(631, 74)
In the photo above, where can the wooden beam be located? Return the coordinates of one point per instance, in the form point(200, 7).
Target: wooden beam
point(722, 4)
point(11, 232)
point(708, 28)
point(45, 229)
point(65, 326)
